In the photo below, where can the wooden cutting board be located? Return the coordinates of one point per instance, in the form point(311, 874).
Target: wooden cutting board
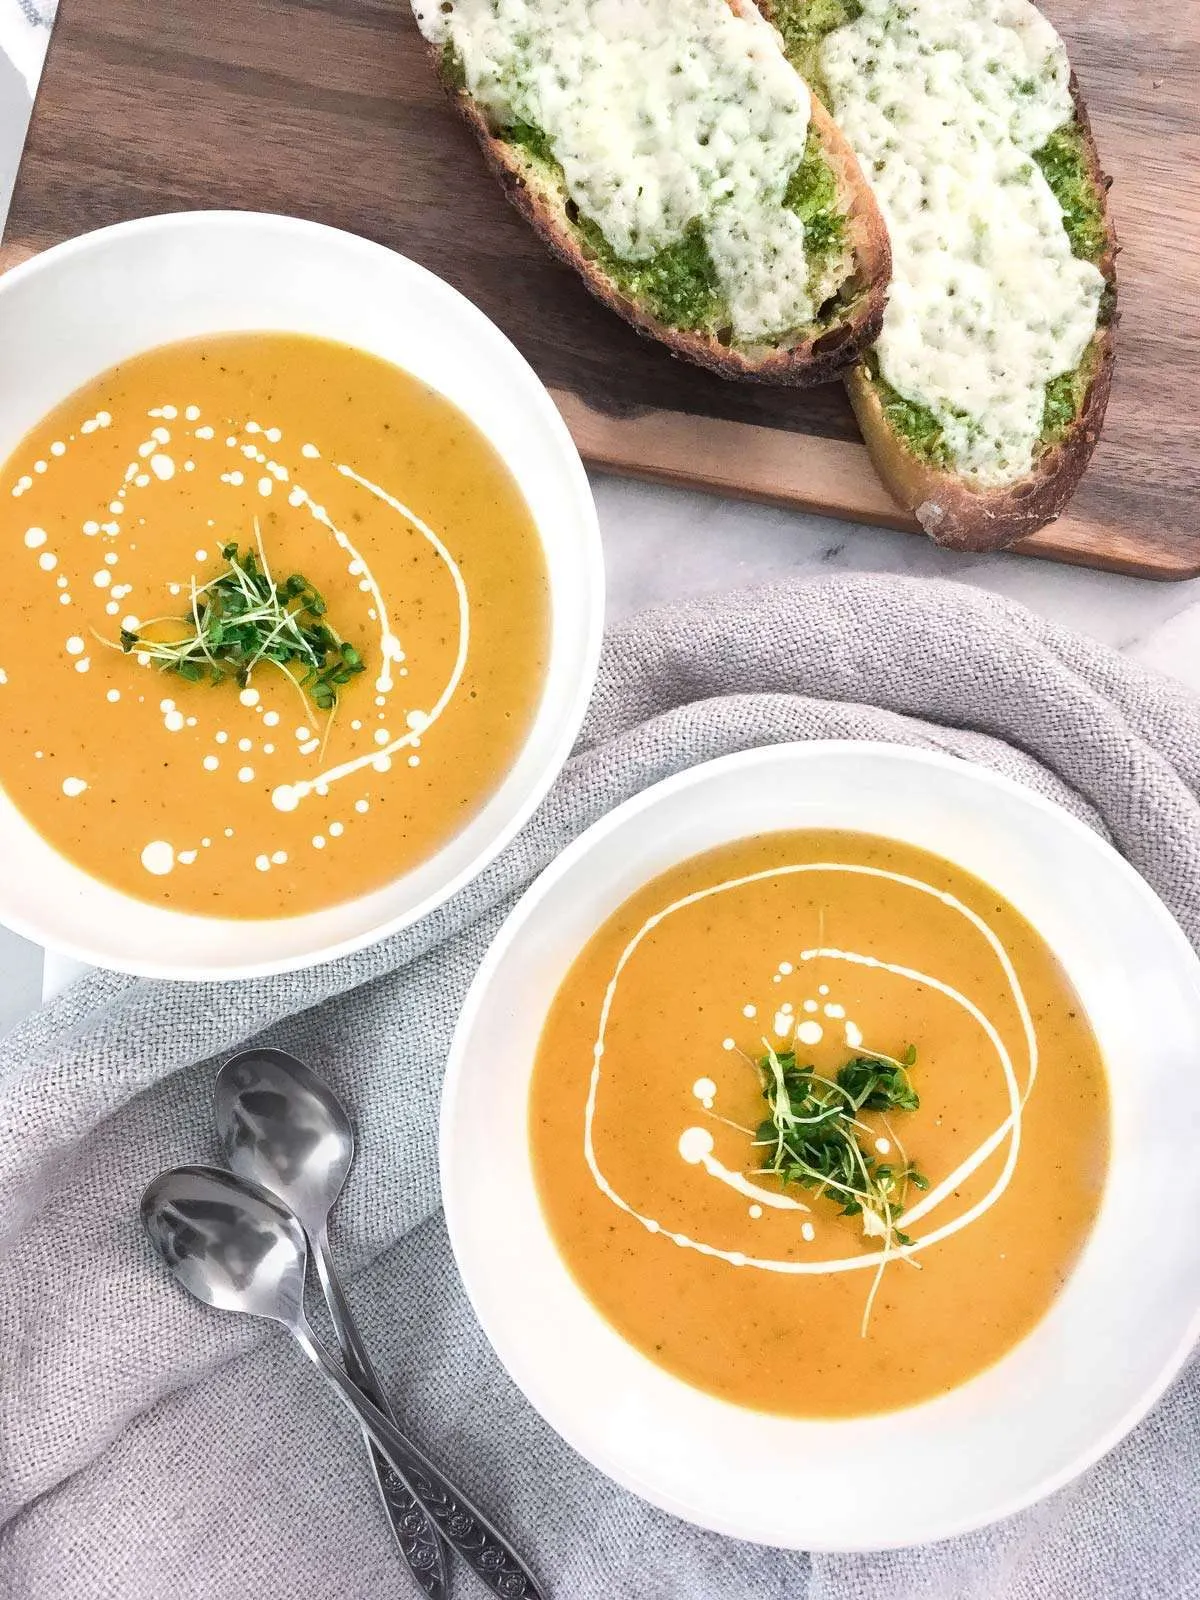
point(328, 109)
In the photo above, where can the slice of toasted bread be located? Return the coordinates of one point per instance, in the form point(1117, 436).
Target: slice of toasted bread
point(848, 321)
point(954, 509)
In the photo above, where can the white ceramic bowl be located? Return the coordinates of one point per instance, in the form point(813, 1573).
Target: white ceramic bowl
point(1111, 1342)
point(69, 314)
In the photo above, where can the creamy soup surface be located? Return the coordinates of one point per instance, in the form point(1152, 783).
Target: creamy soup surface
point(251, 800)
point(647, 1100)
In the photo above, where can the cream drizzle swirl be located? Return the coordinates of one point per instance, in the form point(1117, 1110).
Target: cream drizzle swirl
point(1009, 1128)
point(287, 796)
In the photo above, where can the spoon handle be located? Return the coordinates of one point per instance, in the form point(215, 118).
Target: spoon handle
point(414, 1529)
point(463, 1526)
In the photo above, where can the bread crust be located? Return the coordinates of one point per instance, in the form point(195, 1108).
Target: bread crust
point(824, 355)
point(948, 507)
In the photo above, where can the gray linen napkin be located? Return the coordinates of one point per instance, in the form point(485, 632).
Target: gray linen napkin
point(150, 1448)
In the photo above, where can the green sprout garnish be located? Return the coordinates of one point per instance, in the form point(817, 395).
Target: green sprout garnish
point(243, 618)
point(812, 1138)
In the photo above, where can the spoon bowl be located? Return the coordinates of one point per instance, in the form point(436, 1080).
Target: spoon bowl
point(228, 1242)
point(283, 1128)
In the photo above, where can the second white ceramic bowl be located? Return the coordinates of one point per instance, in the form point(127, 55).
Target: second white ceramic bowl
point(1112, 1340)
point(68, 315)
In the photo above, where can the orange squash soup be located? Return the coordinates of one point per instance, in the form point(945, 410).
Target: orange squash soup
point(277, 624)
point(819, 1124)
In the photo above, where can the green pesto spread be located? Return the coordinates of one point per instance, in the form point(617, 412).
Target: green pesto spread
point(1064, 163)
point(812, 194)
point(678, 285)
point(922, 432)
point(803, 24)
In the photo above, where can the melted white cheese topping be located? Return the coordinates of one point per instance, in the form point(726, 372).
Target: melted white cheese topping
point(944, 102)
point(661, 113)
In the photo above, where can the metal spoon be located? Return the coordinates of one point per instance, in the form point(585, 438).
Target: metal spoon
point(283, 1128)
point(235, 1246)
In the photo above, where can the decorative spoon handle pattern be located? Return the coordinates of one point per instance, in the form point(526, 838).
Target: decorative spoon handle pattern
point(460, 1523)
point(414, 1532)
point(476, 1542)
point(412, 1526)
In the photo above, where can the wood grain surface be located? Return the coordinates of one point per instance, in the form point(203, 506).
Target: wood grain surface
point(327, 109)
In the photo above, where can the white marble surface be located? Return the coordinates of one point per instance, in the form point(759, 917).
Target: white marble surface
point(665, 543)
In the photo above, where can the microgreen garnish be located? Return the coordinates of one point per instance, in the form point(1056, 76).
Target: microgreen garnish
point(813, 1137)
point(242, 618)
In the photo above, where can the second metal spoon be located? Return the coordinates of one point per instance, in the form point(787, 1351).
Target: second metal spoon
point(237, 1247)
point(282, 1127)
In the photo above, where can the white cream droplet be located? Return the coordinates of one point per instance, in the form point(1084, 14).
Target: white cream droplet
point(695, 1144)
point(810, 1033)
point(158, 858)
point(47, 561)
point(75, 645)
point(245, 774)
point(35, 538)
point(807, 1232)
point(854, 1036)
point(162, 467)
point(72, 787)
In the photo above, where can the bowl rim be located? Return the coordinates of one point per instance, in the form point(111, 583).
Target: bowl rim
point(591, 556)
point(511, 931)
